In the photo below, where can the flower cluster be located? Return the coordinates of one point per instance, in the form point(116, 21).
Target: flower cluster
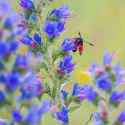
point(56, 65)
point(19, 85)
point(107, 78)
point(55, 22)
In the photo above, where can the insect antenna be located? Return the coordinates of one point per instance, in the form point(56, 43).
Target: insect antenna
point(80, 35)
point(91, 44)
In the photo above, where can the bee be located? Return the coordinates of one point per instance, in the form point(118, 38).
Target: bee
point(79, 43)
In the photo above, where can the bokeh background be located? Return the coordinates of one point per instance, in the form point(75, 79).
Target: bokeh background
point(99, 21)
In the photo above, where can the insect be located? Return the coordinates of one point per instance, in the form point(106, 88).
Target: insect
point(79, 43)
point(46, 2)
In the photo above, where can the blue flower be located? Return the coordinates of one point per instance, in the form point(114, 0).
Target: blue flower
point(97, 119)
point(60, 13)
point(53, 29)
point(67, 45)
point(66, 66)
point(33, 117)
point(7, 48)
point(121, 117)
point(4, 7)
point(103, 82)
point(62, 116)
point(27, 40)
point(55, 22)
point(2, 78)
point(90, 94)
point(84, 92)
point(17, 117)
point(37, 38)
point(2, 122)
point(8, 23)
point(27, 4)
point(93, 67)
point(3, 49)
point(12, 81)
point(116, 97)
point(123, 95)
point(36, 113)
point(50, 29)
point(45, 107)
point(78, 91)
point(32, 87)
point(21, 62)
point(13, 46)
point(107, 58)
point(119, 73)
point(60, 27)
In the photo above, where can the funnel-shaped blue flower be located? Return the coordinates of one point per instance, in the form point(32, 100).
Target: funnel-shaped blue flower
point(62, 116)
point(66, 65)
point(27, 4)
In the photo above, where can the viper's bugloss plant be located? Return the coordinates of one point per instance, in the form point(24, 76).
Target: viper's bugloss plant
point(56, 65)
point(19, 84)
point(33, 82)
point(106, 80)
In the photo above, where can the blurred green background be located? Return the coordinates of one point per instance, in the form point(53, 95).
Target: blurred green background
point(100, 21)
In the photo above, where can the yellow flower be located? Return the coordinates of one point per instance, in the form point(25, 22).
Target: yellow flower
point(81, 76)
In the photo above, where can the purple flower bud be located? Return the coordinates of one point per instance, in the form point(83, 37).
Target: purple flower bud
point(27, 40)
point(60, 13)
point(17, 117)
point(37, 38)
point(107, 59)
point(27, 4)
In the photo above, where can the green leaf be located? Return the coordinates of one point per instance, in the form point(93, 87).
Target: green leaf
point(74, 108)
